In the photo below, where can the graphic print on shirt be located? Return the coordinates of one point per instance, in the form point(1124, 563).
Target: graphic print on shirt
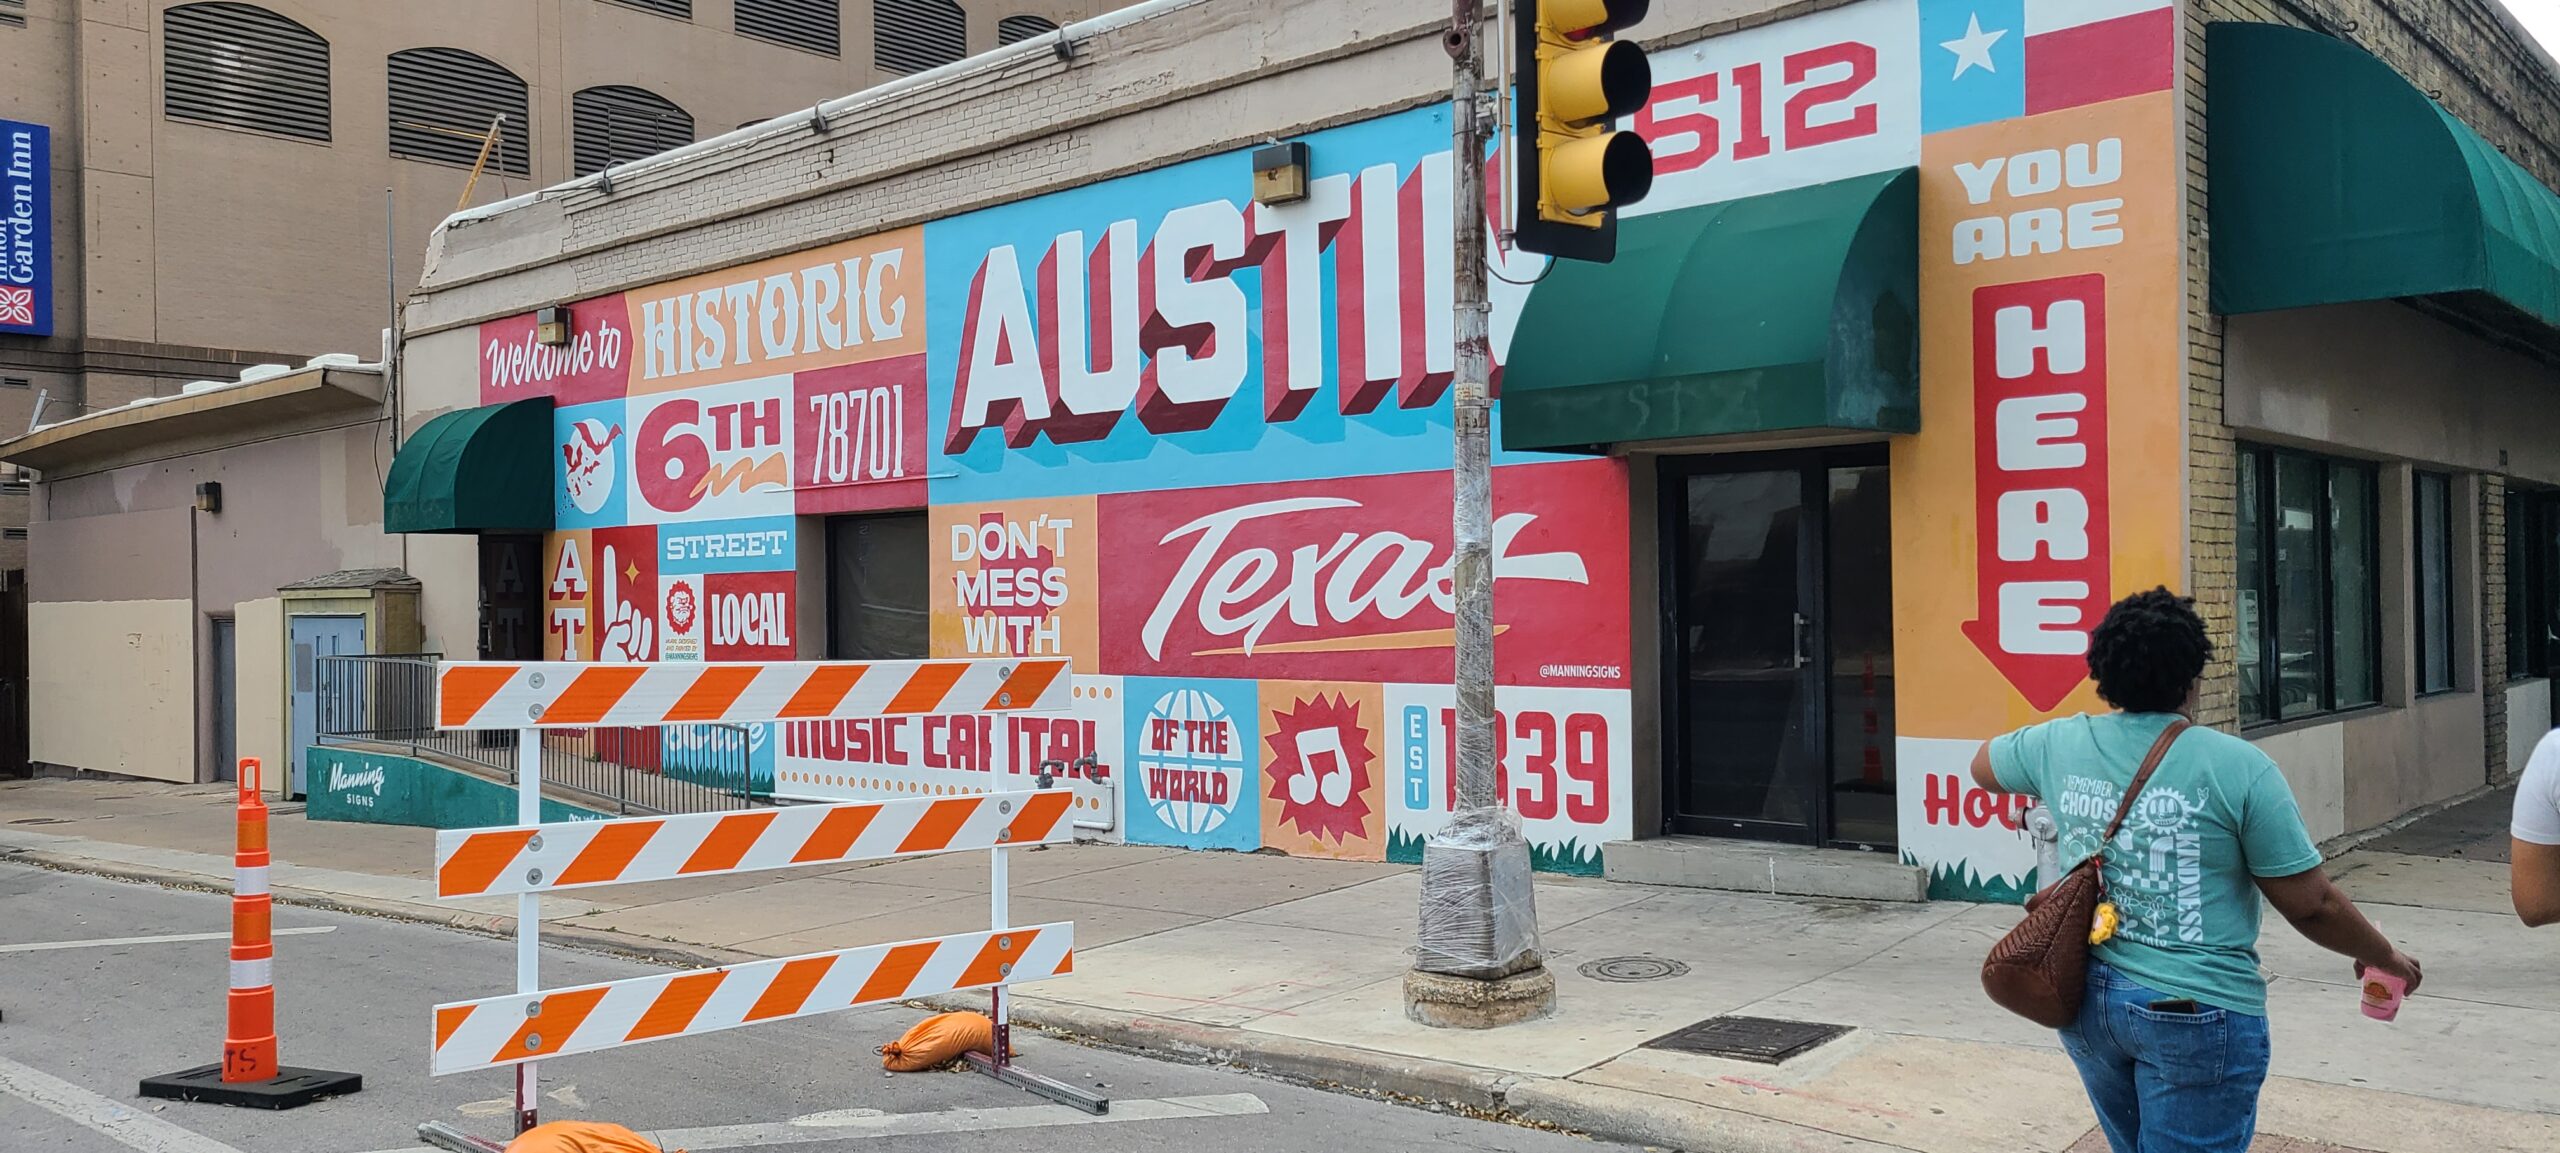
point(2155, 868)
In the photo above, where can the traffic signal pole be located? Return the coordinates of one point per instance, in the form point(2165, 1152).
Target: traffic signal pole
point(1478, 966)
point(1473, 526)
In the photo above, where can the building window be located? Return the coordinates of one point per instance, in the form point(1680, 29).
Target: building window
point(914, 35)
point(877, 575)
point(2309, 613)
point(13, 534)
point(809, 24)
point(242, 67)
point(1014, 29)
point(2431, 535)
point(617, 124)
point(445, 100)
point(680, 9)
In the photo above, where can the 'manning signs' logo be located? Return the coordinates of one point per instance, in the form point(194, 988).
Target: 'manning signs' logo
point(360, 788)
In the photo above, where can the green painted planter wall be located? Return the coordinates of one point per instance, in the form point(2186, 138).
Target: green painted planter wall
point(387, 789)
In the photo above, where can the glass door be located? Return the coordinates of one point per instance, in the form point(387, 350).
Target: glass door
point(1779, 607)
point(1746, 692)
point(1857, 627)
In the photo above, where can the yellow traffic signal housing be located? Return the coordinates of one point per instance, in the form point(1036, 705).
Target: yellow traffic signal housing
point(1572, 167)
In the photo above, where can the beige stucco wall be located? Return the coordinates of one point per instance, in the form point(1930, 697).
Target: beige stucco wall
point(302, 504)
point(126, 666)
point(259, 718)
point(2528, 719)
point(2383, 379)
point(2314, 760)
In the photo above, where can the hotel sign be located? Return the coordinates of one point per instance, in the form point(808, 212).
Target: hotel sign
point(26, 229)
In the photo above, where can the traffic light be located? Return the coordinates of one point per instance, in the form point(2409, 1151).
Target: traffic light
point(1574, 169)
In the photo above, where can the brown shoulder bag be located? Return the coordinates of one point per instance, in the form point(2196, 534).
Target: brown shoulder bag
point(2040, 971)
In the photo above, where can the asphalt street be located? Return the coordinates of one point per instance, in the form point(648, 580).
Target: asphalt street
point(103, 983)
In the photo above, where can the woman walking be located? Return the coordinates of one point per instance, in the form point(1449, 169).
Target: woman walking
point(2172, 1038)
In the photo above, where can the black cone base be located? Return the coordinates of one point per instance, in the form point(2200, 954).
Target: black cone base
point(290, 1089)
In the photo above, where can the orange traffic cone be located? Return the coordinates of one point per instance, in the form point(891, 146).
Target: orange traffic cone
point(249, 1074)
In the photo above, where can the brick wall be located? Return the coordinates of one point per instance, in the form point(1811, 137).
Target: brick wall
point(2470, 58)
point(2212, 508)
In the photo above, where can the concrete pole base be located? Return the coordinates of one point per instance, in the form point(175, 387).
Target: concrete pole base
point(1443, 1001)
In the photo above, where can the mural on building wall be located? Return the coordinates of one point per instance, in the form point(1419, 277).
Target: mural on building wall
point(1200, 445)
point(2052, 395)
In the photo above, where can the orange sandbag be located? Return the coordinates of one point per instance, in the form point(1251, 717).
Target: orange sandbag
point(939, 1040)
point(581, 1137)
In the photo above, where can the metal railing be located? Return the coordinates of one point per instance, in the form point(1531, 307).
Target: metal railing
point(388, 700)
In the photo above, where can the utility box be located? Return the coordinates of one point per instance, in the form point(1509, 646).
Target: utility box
point(357, 612)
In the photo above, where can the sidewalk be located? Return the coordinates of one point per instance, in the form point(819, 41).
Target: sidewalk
point(1295, 966)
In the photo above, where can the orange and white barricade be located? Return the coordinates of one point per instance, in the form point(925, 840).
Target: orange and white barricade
point(531, 858)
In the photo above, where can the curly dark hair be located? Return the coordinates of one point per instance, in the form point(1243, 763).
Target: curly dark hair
point(2149, 651)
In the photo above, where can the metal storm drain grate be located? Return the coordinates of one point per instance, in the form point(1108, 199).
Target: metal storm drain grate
point(1759, 1039)
point(1629, 970)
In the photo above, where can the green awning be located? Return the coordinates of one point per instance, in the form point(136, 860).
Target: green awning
point(474, 470)
point(1791, 312)
point(2334, 180)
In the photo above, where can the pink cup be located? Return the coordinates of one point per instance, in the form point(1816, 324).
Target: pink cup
point(2383, 994)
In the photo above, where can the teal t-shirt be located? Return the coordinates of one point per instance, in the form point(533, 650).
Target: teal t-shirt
point(2216, 815)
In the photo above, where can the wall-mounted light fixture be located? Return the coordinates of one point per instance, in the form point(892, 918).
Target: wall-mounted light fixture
point(551, 326)
point(209, 496)
point(1280, 173)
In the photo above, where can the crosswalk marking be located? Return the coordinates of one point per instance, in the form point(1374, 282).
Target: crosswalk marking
point(852, 1125)
point(118, 1122)
point(162, 939)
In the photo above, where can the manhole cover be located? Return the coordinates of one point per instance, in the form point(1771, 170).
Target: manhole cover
point(1760, 1039)
point(1629, 970)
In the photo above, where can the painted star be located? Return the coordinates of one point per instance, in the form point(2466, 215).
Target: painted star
point(1973, 49)
point(631, 572)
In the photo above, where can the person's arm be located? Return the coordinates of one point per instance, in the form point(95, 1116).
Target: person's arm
point(2321, 912)
point(2008, 763)
point(2533, 870)
point(2286, 865)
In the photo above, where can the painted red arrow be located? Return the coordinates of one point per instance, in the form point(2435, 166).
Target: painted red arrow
point(2040, 481)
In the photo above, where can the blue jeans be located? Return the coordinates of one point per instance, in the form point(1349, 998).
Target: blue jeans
point(2167, 1082)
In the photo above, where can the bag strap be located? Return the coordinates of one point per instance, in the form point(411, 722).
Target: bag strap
point(2150, 764)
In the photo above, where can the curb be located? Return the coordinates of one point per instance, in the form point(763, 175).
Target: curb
point(1600, 1112)
point(1636, 1118)
point(1288, 1058)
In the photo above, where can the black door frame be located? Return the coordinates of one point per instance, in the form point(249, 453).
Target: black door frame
point(1813, 540)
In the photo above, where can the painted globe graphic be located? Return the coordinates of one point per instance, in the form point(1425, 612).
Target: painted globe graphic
point(1191, 761)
